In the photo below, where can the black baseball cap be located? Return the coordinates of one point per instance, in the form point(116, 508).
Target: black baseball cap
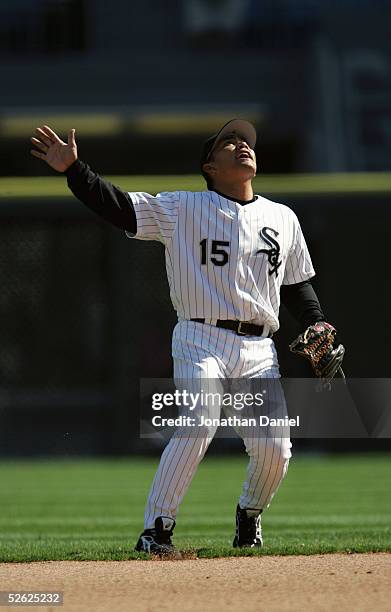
point(238, 126)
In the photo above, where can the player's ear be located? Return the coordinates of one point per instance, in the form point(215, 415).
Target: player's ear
point(209, 168)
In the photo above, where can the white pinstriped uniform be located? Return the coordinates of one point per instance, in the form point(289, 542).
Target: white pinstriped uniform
point(224, 260)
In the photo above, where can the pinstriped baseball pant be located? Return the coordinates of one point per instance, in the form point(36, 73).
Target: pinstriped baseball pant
point(206, 358)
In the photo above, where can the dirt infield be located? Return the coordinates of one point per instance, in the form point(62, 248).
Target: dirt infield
point(321, 582)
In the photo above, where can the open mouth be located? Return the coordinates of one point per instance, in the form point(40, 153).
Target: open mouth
point(244, 155)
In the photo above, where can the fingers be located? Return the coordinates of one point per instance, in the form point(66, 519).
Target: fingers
point(39, 144)
point(50, 134)
point(71, 138)
point(43, 137)
point(38, 154)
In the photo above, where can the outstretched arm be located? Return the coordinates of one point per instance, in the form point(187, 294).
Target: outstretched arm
point(101, 196)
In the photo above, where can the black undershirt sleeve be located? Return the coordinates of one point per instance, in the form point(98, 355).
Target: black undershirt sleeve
point(302, 302)
point(101, 196)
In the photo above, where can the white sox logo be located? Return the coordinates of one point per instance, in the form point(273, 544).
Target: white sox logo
point(273, 254)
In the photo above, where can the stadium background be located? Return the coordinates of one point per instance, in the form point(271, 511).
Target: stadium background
point(84, 312)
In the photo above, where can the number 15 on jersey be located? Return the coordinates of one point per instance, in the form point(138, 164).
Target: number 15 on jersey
point(217, 254)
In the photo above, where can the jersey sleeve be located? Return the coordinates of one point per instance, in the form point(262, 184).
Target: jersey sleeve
point(156, 216)
point(299, 266)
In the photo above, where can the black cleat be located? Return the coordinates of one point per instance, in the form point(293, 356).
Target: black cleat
point(248, 528)
point(157, 541)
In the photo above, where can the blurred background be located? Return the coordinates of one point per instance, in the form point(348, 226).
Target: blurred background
point(84, 312)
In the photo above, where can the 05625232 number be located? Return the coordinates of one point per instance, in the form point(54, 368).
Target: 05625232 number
point(218, 255)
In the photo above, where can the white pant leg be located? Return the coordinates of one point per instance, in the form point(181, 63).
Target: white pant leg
point(195, 369)
point(268, 461)
point(268, 455)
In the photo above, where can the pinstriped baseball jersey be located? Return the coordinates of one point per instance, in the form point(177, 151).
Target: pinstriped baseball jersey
point(225, 260)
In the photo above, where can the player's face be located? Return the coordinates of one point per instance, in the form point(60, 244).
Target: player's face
point(232, 158)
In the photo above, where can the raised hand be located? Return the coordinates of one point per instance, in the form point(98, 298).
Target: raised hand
point(54, 151)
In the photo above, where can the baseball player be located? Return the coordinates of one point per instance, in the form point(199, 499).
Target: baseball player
point(230, 258)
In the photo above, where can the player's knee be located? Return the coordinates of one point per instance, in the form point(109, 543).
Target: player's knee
point(197, 438)
point(273, 451)
point(207, 431)
point(284, 446)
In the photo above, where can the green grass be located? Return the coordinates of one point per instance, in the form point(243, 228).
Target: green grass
point(333, 183)
point(93, 509)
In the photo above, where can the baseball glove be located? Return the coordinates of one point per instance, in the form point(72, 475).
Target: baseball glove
point(317, 345)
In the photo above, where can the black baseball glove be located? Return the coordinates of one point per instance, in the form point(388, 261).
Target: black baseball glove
point(317, 345)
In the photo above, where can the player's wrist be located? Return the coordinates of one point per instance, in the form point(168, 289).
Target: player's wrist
point(74, 167)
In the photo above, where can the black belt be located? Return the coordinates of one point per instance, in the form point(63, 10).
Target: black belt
point(241, 329)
